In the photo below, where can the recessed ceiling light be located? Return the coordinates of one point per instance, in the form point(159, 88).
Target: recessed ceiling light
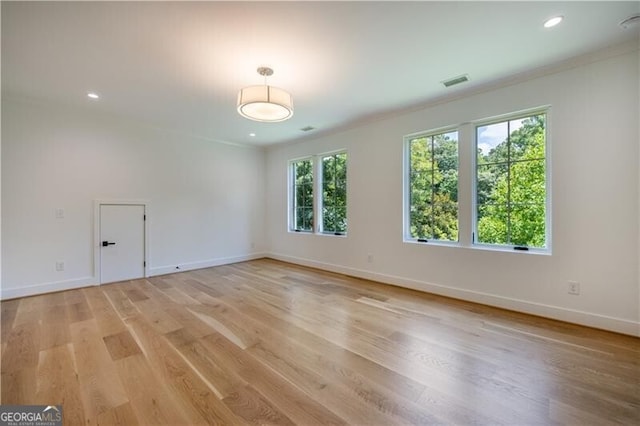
point(552, 22)
point(253, 135)
point(93, 95)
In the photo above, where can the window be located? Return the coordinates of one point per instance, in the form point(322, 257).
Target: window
point(319, 207)
point(433, 187)
point(511, 195)
point(334, 193)
point(302, 196)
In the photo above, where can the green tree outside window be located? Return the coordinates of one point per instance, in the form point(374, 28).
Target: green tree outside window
point(511, 182)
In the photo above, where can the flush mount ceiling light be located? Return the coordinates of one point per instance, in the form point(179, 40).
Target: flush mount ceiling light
point(630, 22)
point(552, 22)
point(265, 103)
point(93, 95)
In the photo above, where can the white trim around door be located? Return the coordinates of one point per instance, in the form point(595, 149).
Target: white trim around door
point(96, 232)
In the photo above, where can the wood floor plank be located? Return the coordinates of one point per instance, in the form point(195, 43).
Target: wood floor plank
point(97, 299)
point(157, 316)
point(220, 380)
point(122, 415)
point(30, 310)
point(224, 357)
point(18, 386)
point(121, 345)
point(23, 345)
point(8, 315)
point(193, 394)
point(99, 384)
point(285, 334)
point(249, 405)
point(54, 334)
point(150, 399)
point(120, 302)
point(226, 323)
point(266, 342)
point(58, 383)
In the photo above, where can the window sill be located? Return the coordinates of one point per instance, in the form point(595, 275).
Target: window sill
point(433, 243)
point(510, 249)
point(484, 247)
point(321, 234)
point(331, 234)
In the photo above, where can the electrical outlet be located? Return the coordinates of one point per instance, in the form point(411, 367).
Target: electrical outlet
point(370, 258)
point(59, 266)
point(574, 288)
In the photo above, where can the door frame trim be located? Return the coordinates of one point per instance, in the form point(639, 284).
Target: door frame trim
point(96, 232)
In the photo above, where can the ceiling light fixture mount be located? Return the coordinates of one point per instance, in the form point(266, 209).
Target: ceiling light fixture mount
point(630, 22)
point(265, 103)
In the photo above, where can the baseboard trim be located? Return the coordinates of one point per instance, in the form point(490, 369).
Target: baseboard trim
point(33, 290)
point(36, 289)
point(172, 269)
point(603, 322)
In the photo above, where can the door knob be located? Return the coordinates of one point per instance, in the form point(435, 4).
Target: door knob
point(107, 243)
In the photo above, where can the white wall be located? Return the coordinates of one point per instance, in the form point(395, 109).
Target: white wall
point(209, 201)
point(206, 198)
point(595, 185)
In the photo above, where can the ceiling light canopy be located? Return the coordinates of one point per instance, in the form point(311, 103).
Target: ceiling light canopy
point(265, 103)
point(631, 21)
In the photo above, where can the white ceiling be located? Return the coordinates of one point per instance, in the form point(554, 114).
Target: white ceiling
point(180, 65)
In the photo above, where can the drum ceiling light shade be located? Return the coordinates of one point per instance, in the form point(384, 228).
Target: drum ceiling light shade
point(265, 103)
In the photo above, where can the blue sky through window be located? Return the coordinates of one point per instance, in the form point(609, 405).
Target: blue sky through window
point(492, 135)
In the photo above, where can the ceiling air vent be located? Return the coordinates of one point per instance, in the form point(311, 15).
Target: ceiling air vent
point(456, 80)
point(307, 128)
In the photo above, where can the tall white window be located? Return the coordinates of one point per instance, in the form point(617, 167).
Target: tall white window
point(302, 195)
point(318, 194)
point(511, 184)
point(334, 193)
point(432, 187)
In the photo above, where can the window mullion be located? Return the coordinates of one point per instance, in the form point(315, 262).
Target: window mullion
point(432, 215)
point(335, 193)
point(508, 182)
point(318, 217)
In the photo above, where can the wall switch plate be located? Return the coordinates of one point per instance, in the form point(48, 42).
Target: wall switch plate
point(59, 213)
point(59, 266)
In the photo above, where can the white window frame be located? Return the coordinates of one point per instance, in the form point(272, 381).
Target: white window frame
point(467, 183)
point(407, 185)
point(316, 162)
point(320, 192)
point(291, 208)
point(546, 110)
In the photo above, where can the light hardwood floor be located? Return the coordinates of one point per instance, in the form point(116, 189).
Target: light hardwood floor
point(265, 342)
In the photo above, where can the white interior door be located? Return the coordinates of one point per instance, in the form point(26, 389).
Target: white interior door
point(121, 242)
